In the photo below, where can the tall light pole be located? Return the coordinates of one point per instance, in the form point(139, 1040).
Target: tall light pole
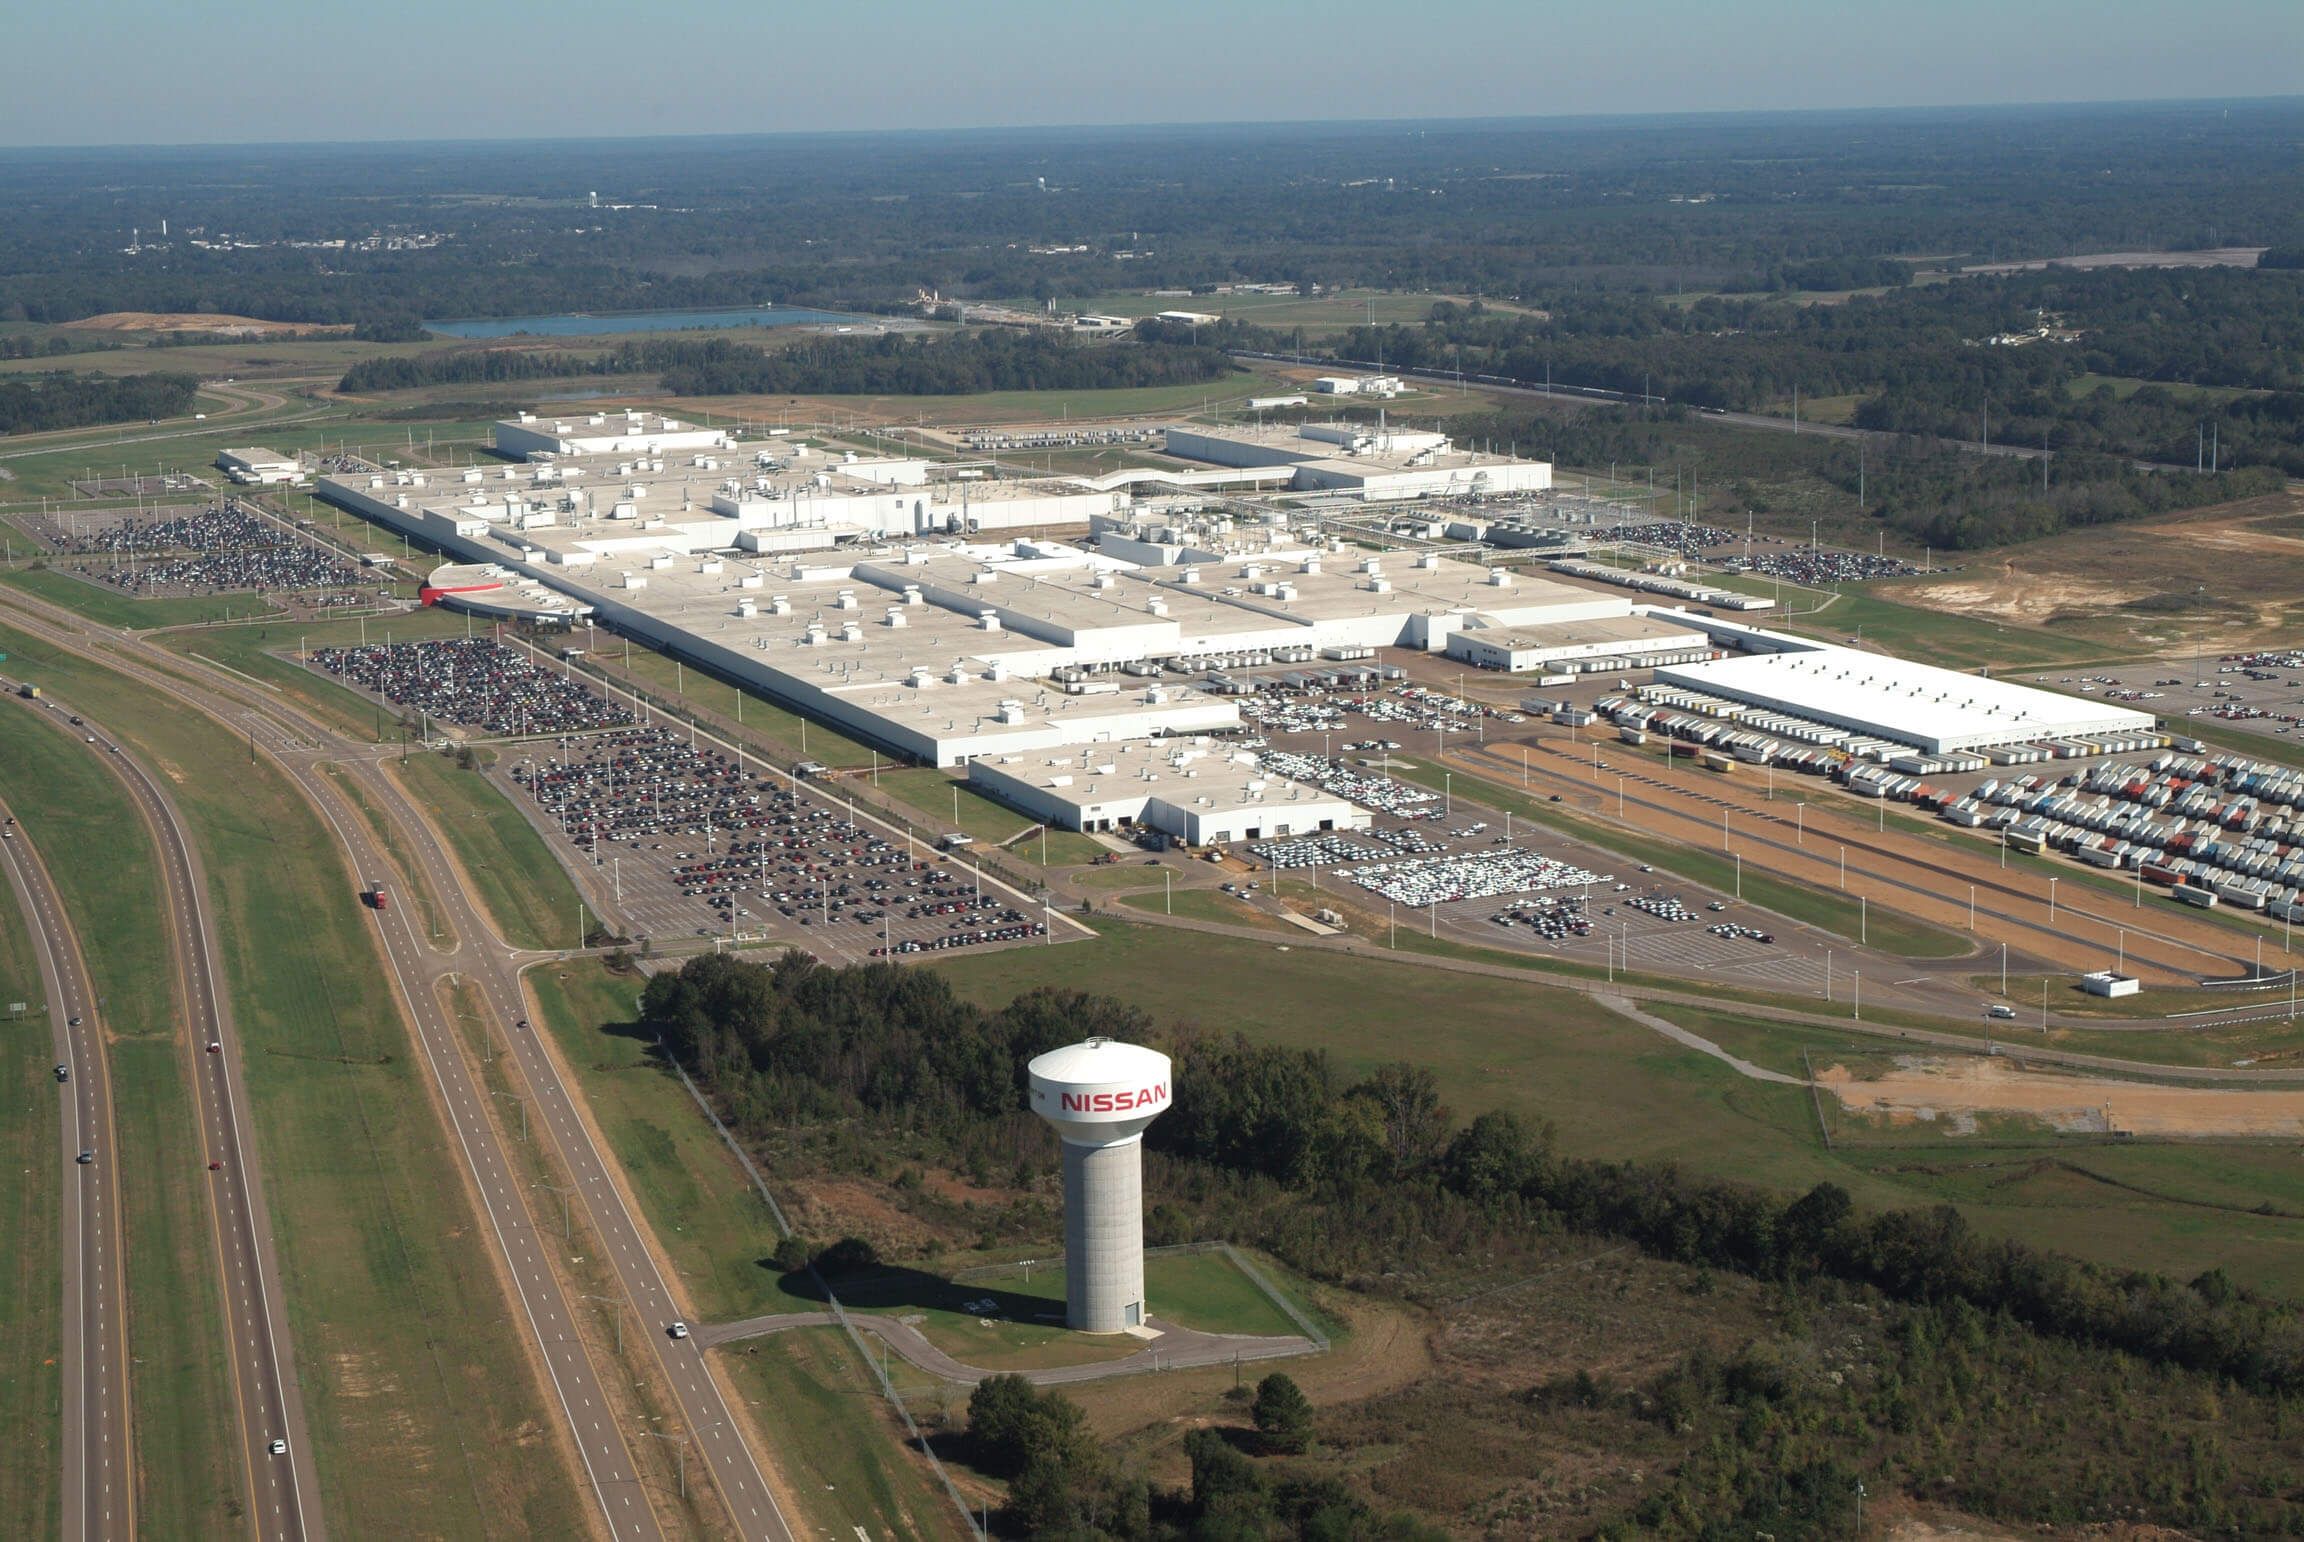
point(567, 1223)
point(681, 1441)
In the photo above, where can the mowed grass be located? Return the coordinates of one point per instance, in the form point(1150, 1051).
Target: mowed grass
point(519, 883)
point(705, 1215)
point(1614, 1090)
point(425, 1414)
point(988, 821)
point(111, 607)
point(1203, 905)
point(831, 1435)
point(258, 651)
point(1932, 636)
point(32, 1329)
point(101, 862)
point(816, 1400)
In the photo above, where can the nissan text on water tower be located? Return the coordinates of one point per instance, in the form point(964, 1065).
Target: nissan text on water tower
point(1100, 1096)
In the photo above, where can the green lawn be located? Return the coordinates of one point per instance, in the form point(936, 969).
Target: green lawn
point(817, 1401)
point(989, 821)
point(110, 607)
point(518, 881)
point(1933, 636)
point(1203, 905)
point(697, 1200)
point(1612, 1089)
point(257, 651)
point(102, 864)
point(408, 1354)
point(31, 1330)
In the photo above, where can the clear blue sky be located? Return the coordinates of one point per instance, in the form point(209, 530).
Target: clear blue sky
point(167, 72)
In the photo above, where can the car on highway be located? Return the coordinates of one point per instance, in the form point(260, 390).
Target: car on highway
point(215, 1167)
point(278, 1447)
point(85, 1158)
point(678, 1330)
point(215, 1048)
point(63, 1072)
point(72, 1022)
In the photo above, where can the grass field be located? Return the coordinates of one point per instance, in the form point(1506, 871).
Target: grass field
point(1936, 636)
point(1611, 1089)
point(814, 1396)
point(1203, 905)
point(31, 1330)
point(718, 1236)
point(105, 875)
point(697, 1201)
point(1008, 406)
point(110, 607)
point(989, 821)
point(257, 651)
point(514, 874)
point(408, 1354)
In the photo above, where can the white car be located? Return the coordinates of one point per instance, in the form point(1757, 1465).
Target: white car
point(278, 1447)
point(679, 1330)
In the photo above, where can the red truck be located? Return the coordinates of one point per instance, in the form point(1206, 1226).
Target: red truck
point(377, 898)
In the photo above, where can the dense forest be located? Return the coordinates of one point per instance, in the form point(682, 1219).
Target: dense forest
point(896, 364)
point(1521, 209)
point(66, 400)
point(1359, 1180)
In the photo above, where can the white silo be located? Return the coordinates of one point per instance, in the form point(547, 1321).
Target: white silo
point(1100, 1095)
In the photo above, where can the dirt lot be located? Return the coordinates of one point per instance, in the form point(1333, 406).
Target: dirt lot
point(192, 321)
point(2228, 578)
point(1926, 1089)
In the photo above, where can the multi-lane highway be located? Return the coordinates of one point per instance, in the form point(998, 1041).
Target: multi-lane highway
point(711, 1430)
point(99, 1499)
point(281, 1483)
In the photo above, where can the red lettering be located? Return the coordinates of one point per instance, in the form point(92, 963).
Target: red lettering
point(1114, 1102)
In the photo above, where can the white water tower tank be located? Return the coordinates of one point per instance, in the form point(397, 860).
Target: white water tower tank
point(1100, 1096)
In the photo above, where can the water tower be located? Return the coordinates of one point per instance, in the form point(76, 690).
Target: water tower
point(1100, 1096)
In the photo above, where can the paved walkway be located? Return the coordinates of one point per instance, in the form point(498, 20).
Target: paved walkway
point(1175, 1349)
point(1702, 1046)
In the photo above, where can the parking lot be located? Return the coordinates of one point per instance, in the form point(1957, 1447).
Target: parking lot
point(2253, 692)
point(723, 846)
point(473, 682)
point(223, 548)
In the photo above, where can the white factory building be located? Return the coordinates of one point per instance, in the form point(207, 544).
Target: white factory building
point(602, 433)
point(1935, 710)
point(1606, 643)
point(942, 649)
point(1361, 460)
point(257, 467)
point(1192, 790)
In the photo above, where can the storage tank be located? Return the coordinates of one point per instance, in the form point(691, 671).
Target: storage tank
point(1100, 1096)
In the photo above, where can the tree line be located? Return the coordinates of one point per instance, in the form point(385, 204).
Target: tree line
point(67, 400)
point(894, 364)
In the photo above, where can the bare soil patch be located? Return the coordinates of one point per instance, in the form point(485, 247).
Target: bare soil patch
point(194, 321)
point(1927, 1089)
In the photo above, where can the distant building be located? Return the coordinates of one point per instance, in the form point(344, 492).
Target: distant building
point(603, 433)
point(257, 467)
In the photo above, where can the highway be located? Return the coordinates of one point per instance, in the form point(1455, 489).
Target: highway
point(301, 747)
point(99, 1497)
point(282, 1486)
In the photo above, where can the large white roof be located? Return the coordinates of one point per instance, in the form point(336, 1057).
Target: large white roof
point(1902, 699)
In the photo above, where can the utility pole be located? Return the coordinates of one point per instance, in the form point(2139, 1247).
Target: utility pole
point(567, 1224)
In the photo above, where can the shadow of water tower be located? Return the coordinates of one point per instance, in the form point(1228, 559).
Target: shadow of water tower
point(1100, 1096)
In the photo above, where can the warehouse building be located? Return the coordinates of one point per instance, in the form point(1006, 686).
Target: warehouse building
point(1605, 643)
point(1190, 790)
point(1361, 460)
point(602, 433)
point(1935, 710)
point(257, 467)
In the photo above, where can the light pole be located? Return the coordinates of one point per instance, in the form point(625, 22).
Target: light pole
point(567, 1224)
point(1739, 874)
point(1800, 824)
point(680, 1441)
point(2051, 897)
point(616, 1313)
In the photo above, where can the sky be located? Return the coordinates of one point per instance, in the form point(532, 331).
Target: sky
point(232, 71)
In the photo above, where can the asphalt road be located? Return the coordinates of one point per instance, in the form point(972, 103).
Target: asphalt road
point(99, 1498)
point(301, 747)
point(283, 1488)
